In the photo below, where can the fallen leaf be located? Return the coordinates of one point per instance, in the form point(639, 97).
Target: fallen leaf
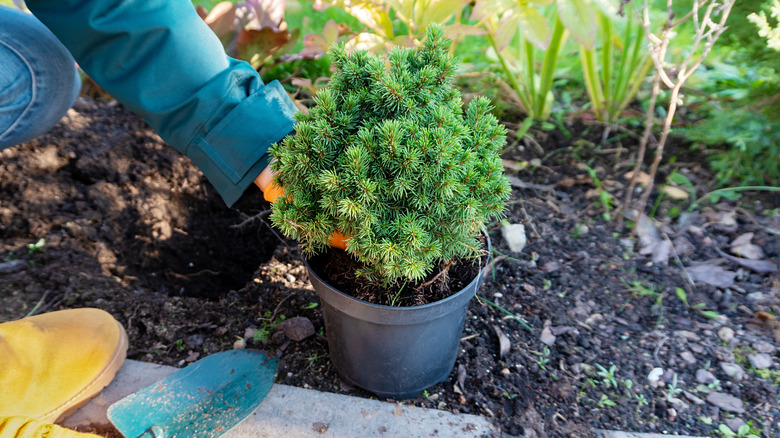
point(760, 266)
point(662, 252)
point(460, 383)
point(192, 356)
point(547, 337)
point(712, 275)
point(643, 177)
point(675, 193)
point(567, 182)
point(520, 184)
point(648, 235)
point(503, 342)
point(513, 165)
point(741, 246)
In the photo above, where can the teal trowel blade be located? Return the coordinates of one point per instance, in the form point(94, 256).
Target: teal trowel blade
point(203, 400)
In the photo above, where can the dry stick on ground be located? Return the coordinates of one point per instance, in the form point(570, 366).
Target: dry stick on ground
point(707, 32)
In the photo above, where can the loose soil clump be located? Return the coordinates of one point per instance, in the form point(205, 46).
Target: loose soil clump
point(102, 213)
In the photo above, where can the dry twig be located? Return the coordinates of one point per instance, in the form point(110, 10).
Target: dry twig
point(708, 26)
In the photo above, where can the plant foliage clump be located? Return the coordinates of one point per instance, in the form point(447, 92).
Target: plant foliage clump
point(388, 157)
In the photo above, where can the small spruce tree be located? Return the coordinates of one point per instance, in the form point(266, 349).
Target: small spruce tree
point(388, 157)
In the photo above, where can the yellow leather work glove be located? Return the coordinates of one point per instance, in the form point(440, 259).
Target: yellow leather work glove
point(271, 191)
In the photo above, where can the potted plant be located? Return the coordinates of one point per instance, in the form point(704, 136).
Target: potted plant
point(388, 158)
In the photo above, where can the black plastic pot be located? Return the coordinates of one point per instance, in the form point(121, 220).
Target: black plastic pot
point(394, 352)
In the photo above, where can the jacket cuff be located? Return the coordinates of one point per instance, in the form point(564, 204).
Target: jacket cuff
point(234, 152)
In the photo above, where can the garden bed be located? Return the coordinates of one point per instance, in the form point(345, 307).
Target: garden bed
point(130, 226)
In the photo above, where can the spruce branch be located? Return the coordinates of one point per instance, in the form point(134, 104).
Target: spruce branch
point(389, 157)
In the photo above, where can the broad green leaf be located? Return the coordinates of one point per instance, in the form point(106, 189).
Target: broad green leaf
point(610, 8)
point(440, 11)
point(534, 27)
point(260, 46)
point(404, 8)
point(455, 30)
point(679, 178)
point(507, 28)
point(366, 41)
point(372, 15)
point(221, 18)
point(490, 8)
point(579, 18)
point(318, 44)
point(404, 41)
point(262, 14)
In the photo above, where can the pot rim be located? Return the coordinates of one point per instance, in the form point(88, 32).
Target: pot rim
point(474, 283)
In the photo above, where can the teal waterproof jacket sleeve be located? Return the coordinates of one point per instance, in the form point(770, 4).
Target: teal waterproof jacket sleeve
point(163, 62)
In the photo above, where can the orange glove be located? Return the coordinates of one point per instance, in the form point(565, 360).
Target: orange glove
point(271, 191)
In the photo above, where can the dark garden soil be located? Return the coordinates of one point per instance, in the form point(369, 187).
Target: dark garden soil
point(130, 226)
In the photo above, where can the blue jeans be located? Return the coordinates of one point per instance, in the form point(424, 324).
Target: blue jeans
point(38, 78)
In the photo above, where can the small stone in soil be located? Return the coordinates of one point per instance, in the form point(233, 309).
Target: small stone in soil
point(735, 423)
point(688, 357)
point(704, 377)
point(733, 370)
point(763, 347)
point(12, 266)
point(298, 328)
point(760, 361)
point(726, 334)
point(723, 354)
point(726, 402)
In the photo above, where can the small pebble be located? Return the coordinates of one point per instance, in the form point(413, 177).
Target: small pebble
point(12, 266)
point(688, 357)
point(723, 354)
point(726, 334)
point(726, 402)
point(735, 423)
point(704, 377)
point(734, 371)
point(763, 347)
point(693, 398)
point(760, 361)
point(691, 336)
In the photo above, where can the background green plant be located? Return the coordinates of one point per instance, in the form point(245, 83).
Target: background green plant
point(615, 70)
point(743, 146)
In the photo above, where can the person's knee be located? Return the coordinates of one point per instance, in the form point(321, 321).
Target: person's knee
point(38, 78)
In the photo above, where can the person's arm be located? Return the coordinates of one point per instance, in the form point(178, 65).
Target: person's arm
point(158, 58)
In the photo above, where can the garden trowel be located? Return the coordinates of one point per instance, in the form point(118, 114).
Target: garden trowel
point(204, 400)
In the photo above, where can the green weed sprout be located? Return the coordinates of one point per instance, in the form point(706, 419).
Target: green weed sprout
point(388, 157)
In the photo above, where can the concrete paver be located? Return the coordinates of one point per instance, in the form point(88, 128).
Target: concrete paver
point(293, 412)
